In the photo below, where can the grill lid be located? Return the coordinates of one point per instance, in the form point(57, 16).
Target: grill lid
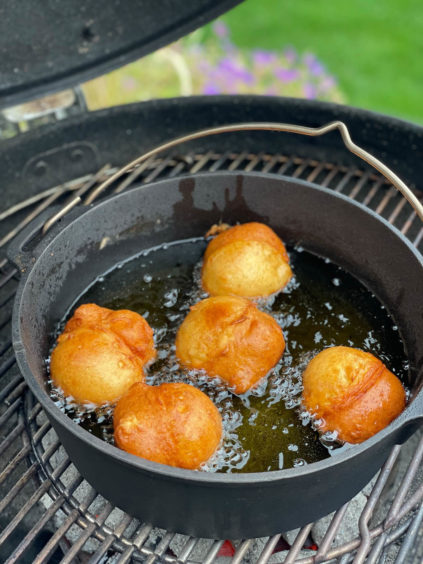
point(56, 44)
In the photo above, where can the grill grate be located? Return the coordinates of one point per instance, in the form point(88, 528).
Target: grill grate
point(74, 524)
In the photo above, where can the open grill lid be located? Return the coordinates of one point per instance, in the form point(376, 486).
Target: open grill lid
point(49, 46)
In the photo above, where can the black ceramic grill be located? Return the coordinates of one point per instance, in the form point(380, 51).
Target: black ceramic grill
point(48, 513)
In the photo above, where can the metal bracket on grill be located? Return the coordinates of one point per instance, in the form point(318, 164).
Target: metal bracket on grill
point(281, 127)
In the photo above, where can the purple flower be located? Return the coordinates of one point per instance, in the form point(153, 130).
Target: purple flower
point(314, 66)
point(210, 89)
point(286, 75)
point(309, 91)
point(327, 83)
point(290, 55)
point(261, 57)
point(221, 29)
point(309, 59)
point(235, 71)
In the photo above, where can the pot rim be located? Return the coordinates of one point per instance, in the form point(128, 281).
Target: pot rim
point(408, 416)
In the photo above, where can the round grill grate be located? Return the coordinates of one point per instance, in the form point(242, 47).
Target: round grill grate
point(47, 508)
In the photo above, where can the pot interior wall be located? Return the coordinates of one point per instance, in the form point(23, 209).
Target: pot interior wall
point(301, 213)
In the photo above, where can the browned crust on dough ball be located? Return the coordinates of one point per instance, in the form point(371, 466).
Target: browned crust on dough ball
point(173, 424)
point(247, 260)
point(353, 392)
point(101, 353)
point(229, 337)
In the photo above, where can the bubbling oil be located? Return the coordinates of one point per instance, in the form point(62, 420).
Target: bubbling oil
point(264, 429)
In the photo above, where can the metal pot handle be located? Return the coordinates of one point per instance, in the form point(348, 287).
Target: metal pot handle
point(282, 127)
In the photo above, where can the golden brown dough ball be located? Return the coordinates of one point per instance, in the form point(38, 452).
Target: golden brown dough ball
point(173, 424)
point(247, 260)
point(353, 392)
point(101, 353)
point(229, 337)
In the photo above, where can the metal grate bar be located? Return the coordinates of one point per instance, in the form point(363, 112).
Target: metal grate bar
point(419, 237)
point(268, 549)
point(344, 180)
point(285, 166)
point(56, 539)
point(405, 486)
point(108, 541)
point(361, 182)
point(86, 534)
point(330, 534)
point(5, 367)
point(315, 172)
point(31, 536)
point(23, 480)
point(410, 538)
point(255, 160)
point(138, 541)
point(23, 512)
point(6, 346)
point(372, 193)
point(161, 547)
point(329, 177)
point(157, 170)
point(370, 505)
point(408, 223)
point(213, 552)
point(15, 462)
point(11, 437)
point(397, 210)
point(132, 177)
point(272, 162)
point(385, 201)
point(235, 164)
point(187, 549)
point(414, 500)
point(59, 534)
point(31, 216)
point(8, 276)
point(377, 548)
point(9, 387)
point(15, 393)
point(9, 412)
point(242, 551)
point(7, 299)
point(40, 434)
point(300, 169)
point(298, 544)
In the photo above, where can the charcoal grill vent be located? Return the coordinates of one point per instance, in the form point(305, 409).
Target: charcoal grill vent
point(48, 513)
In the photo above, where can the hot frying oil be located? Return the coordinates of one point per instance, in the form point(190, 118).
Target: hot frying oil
point(264, 429)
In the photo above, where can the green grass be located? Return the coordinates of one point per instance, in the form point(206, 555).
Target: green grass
point(373, 47)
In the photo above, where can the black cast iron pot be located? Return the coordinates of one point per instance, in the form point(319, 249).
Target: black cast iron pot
point(73, 254)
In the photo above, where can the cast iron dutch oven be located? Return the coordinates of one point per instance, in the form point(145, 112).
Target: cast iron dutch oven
point(70, 256)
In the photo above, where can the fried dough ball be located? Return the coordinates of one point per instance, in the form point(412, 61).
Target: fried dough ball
point(173, 424)
point(101, 353)
point(353, 392)
point(247, 260)
point(227, 336)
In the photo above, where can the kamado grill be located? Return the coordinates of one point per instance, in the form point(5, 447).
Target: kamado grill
point(48, 512)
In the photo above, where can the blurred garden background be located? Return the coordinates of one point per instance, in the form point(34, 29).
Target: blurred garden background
point(363, 53)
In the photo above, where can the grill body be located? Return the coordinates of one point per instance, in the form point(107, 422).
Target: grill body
point(386, 525)
point(321, 221)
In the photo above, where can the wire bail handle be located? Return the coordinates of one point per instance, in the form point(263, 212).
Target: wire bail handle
point(281, 127)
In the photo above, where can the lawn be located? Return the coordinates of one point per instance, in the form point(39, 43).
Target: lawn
point(373, 47)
